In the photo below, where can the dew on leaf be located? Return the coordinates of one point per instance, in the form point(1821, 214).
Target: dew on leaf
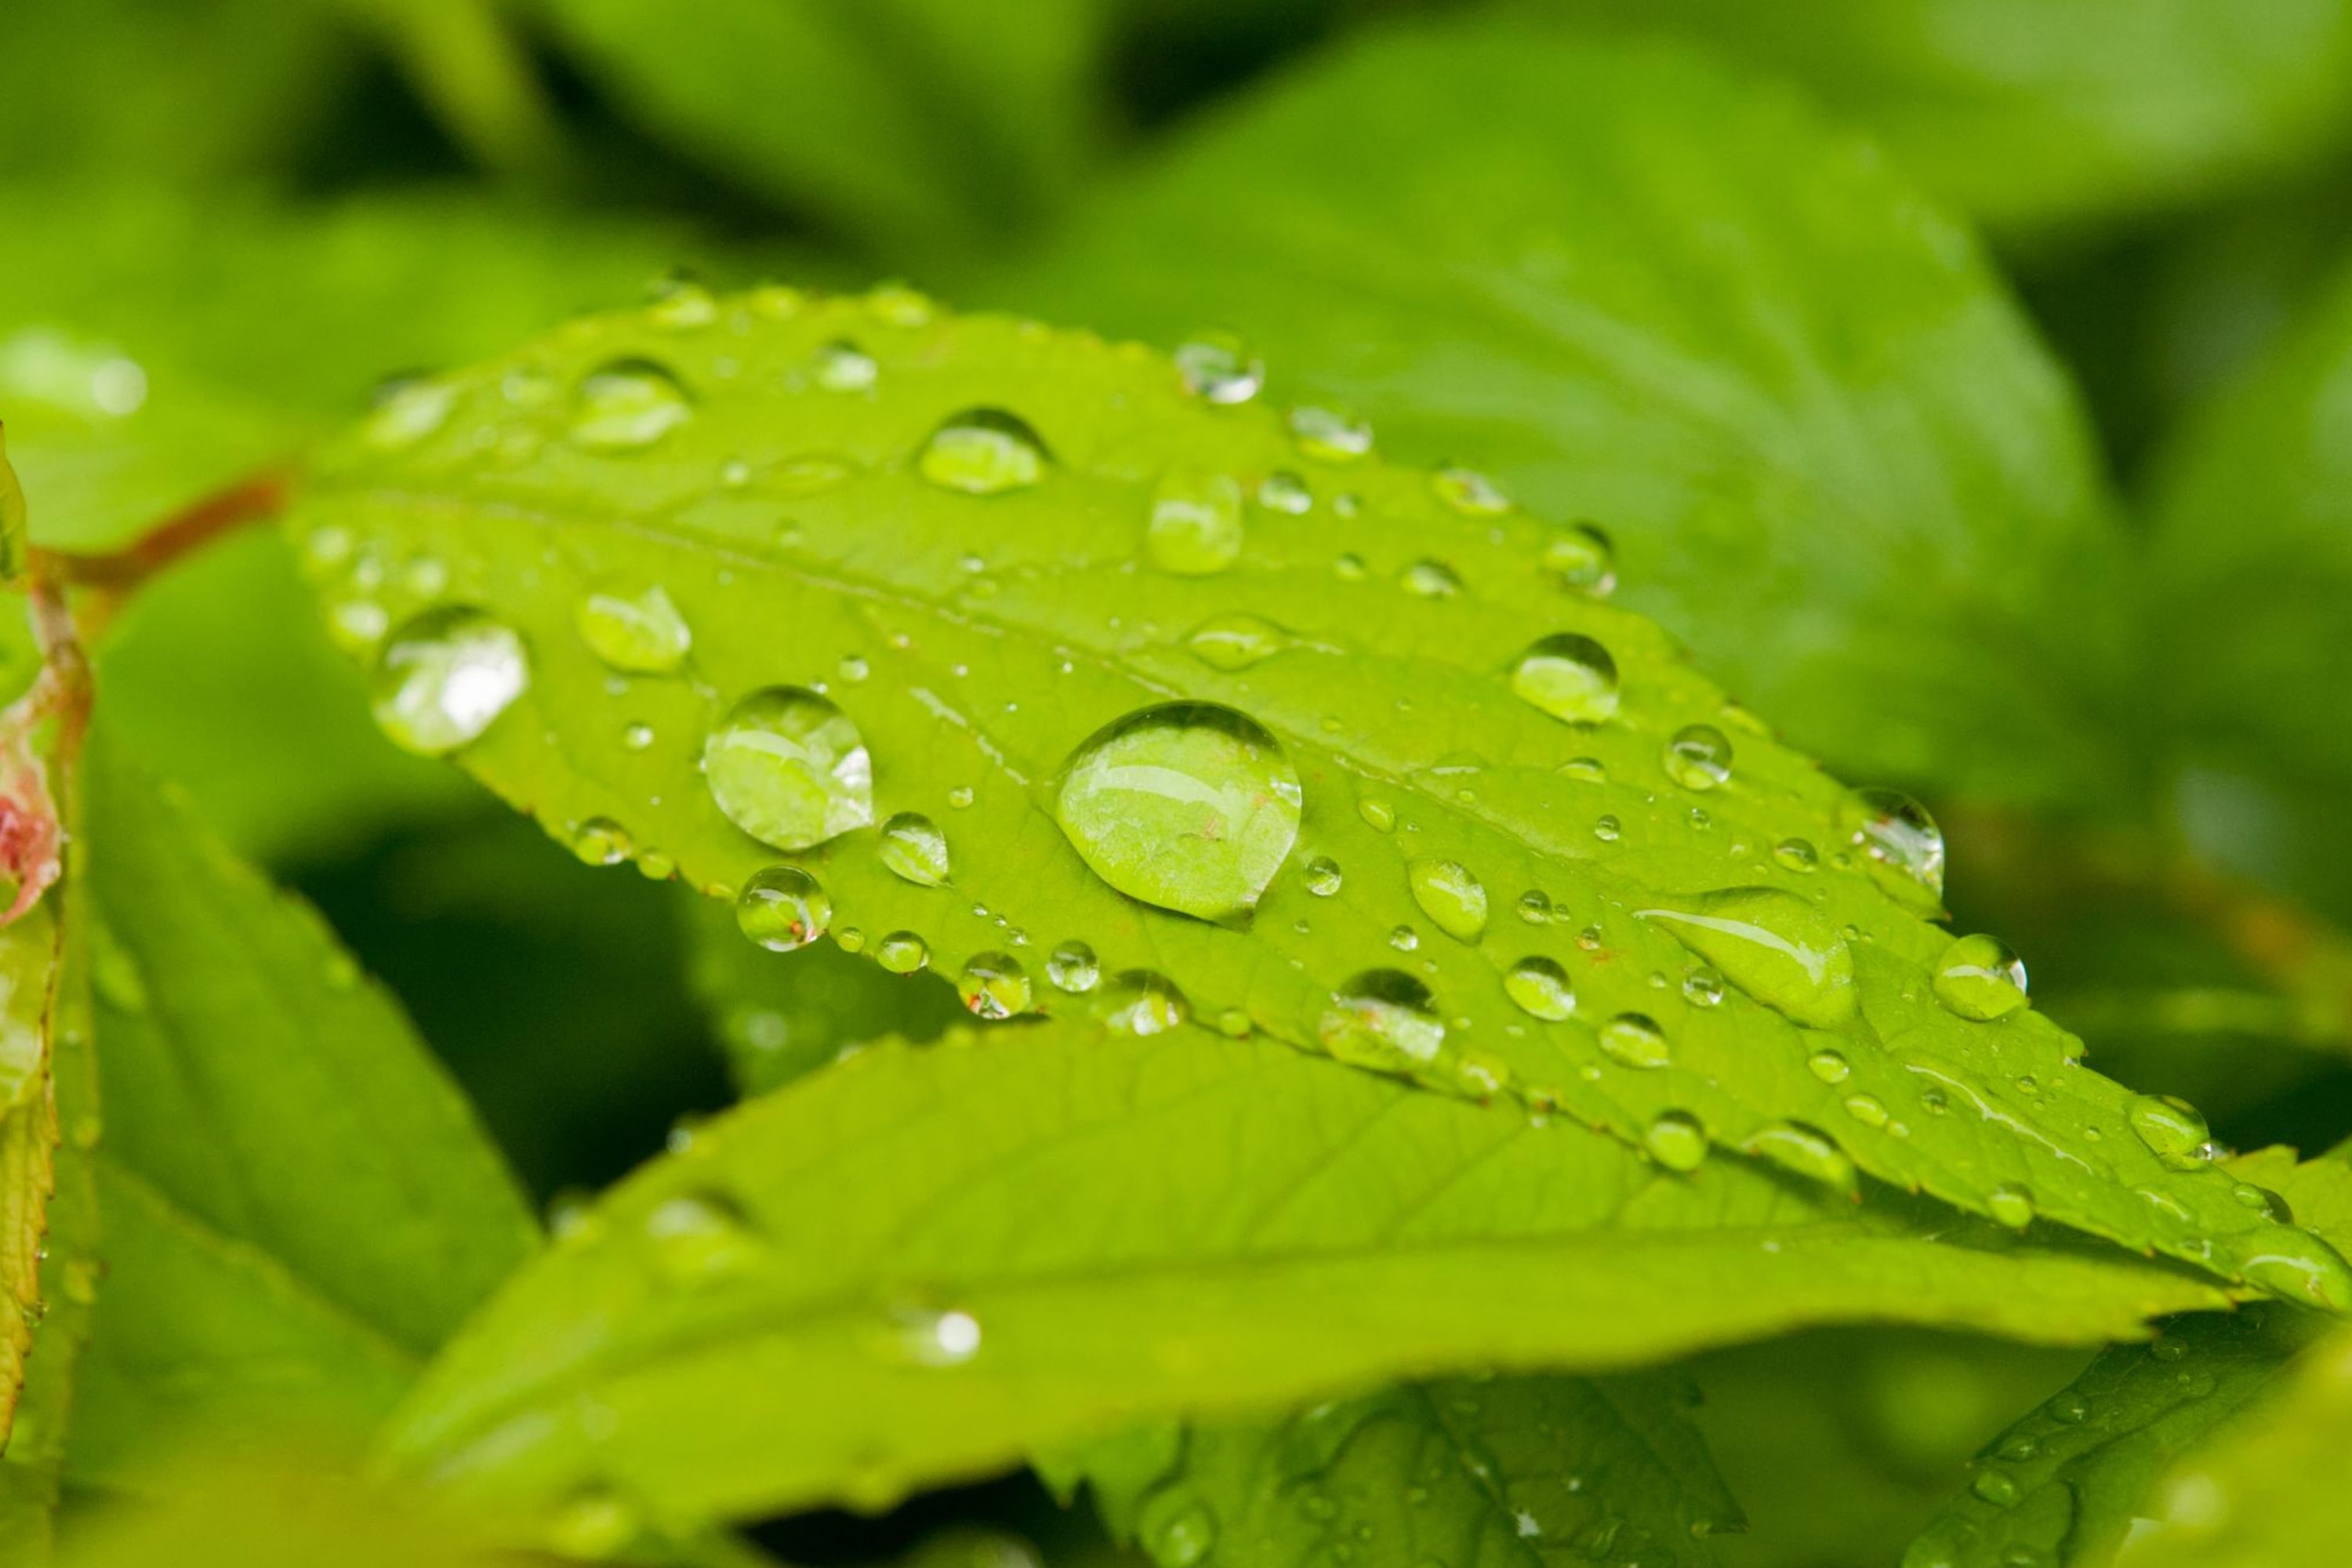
point(1699, 757)
point(601, 841)
point(1236, 642)
point(1805, 1151)
point(2011, 1204)
point(1570, 676)
point(593, 1525)
point(1796, 854)
point(790, 768)
point(641, 632)
point(1383, 1019)
point(1330, 435)
point(1580, 558)
point(680, 302)
point(1469, 492)
point(995, 985)
point(1635, 1040)
point(1995, 1487)
point(1773, 945)
point(1322, 876)
point(2297, 1266)
point(1177, 1530)
point(1072, 967)
point(1676, 1141)
point(1404, 938)
point(445, 676)
point(2068, 1408)
point(1218, 368)
point(902, 952)
point(1608, 829)
point(1535, 907)
point(1896, 833)
point(1430, 579)
point(913, 848)
point(1188, 806)
point(2174, 1131)
point(408, 410)
point(783, 907)
point(843, 366)
point(699, 1240)
point(1139, 1002)
point(1979, 978)
point(1194, 527)
point(1284, 492)
point(627, 405)
point(1829, 1066)
point(983, 452)
point(1703, 986)
point(1450, 896)
point(2263, 1202)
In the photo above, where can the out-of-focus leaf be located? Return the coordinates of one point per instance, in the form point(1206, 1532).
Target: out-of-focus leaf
point(300, 1206)
point(895, 118)
point(2035, 113)
point(1637, 289)
point(926, 1262)
point(15, 542)
point(1523, 1471)
point(247, 1511)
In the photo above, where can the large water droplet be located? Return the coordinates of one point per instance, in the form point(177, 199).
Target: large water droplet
point(790, 769)
point(1450, 896)
point(1330, 435)
point(983, 452)
point(783, 907)
point(2297, 1266)
point(627, 405)
point(2011, 1204)
point(1196, 526)
point(1636, 1039)
point(1699, 757)
point(1811, 1155)
point(902, 952)
point(1541, 987)
point(2173, 1130)
point(1323, 877)
point(601, 841)
point(1236, 642)
point(1138, 1002)
point(1676, 1141)
point(445, 676)
point(1217, 368)
point(1569, 677)
point(1896, 832)
point(1774, 946)
point(995, 985)
point(1581, 558)
point(1383, 1019)
point(914, 847)
point(1188, 806)
point(1979, 978)
point(639, 631)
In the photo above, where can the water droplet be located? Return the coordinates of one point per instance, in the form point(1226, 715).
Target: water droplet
point(1450, 896)
point(1177, 1529)
point(1636, 1039)
point(698, 1240)
point(913, 846)
point(961, 797)
point(1284, 492)
point(1996, 1488)
point(1535, 907)
point(1188, 806)
point(1608, 829)
point(1196, 526)
point(1774, 946)
point(1330, 435)
point(995, 985)
point(627, 405)
point(900, 305)
point(1580, 556)
point(1404, 938)
point(790, 769)
point(2173, 1130)
point(1541, 987)
point(1350, 567)
point(1469, 492)
point(1699, 757)
point(1571, 678)
point(679, 302)
point(843, 366)
point(1138, 1002)
point(1236, 642)
point(1217, 368)
point(983, 452)
point(783, 907)
point(1979, 978)
point(1676, 1141)
point(2263, 1202)
point(1830, 1067)
point(1796, 854)
point(1703, 986)
point(1896, 832)
point(445, 676)
point(601, 841)
point(640, 632)
point(408, 410)
point(638, 737)
point(1322, 876)
point(2297, 1266)
point(1377, 815)
point(593, 1525)
point(1804, 1150)
point(1383, 1019)
point(1431, 580)
point(1071, 967)
point(902, 952)
point(2068, 1408)
point(2011, 1204)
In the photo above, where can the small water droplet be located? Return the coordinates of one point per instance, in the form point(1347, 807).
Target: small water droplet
point(1995, 1487)
point(1830, 1067)
point(641, 632)
point(1450, 896)
point(1774, 946)
point(2068, 1408)
point(1377, 815)
point(445, 676)
point(698, 1240)
point(1541, 987)
point(408, 410)
point(1570, 676)
point(2173, 1130)
point(2263, 1202)
point(1895, 832)
point(1330, 435)
point(1072, 967)
point(1581, 558)
point(783, 907)
point(1188, 806)
point(1796, 854)
point(593, 1525)
point(961, 797)
point(1535, 907)
point(902, 952)
point(900, 305)
point(995, 985)
point(1322, 876)
point(1429, 579)
point(1676, 1141)
point(1635, 1040)
point(983, 452)
point(1218, 368)
point(1195, 527)
point(627, 405)
point(1699, 757)
point(1177, 1529)
point(601, 841)
point(1608, 829)
point(843, 366)
point(1138, 1002)
point(789, 768)
point(638, 737)
point(1383, 1019)
point(1980, 979)
point(913, 847)
point(679, 301)
point(1469, 492)
point(1284, 492)
point(2011, 1204)
point(1404, 938)
point(1703, 986)
point(1236, 642)
point(1807, 1152)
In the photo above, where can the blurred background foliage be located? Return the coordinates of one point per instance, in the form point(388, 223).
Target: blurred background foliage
point(224, 222)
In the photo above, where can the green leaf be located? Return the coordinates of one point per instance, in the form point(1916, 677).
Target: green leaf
point(300, 1206)
point(14, 539)
point(1517, 1470)
point(1636, 290)
point(2040, 116)
point(926, 1263)
point(1571, 866)
point(894, 117)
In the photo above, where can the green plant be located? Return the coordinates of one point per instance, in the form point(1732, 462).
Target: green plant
point(1207, 940)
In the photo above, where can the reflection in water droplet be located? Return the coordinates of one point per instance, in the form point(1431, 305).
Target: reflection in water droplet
point(1580, 556)
point(1236, 642)
point(2297, 1266)
point(1995, 1487)
point(2011, 1204)
point(1195, 525)
point(1383, 1019)
point(1542, 989)
point(1774, 946)
point(2263, 1202)
point(1176, 1527)
point(1322, 876)
point(1608, 829)
point(627, 405)
point(915, 849)
point(679, 301)
point(1284, 492)
point(640, 632)
point(1138, 1002)
point(1450, 896)
point(995, 985)
point(1979, 978)
point(843, 366)
point(1796, 854)
point(1896, 832)
point(1830, 1067)
point(983, 452)
point(1469, 492)
point(1217, 368)
point(1188, 806)
point(406, 411)
point(1703, 986)
point(1330, 435)
point(1676, 1141)
point(1571, 678)
point(1636, 1039)
point(1808, 1153)
point(783, 907)
point(902, 952)
point(790, 769)
point(445, 676)
point(1699, 757)
point(1072, 967)
point(601, 841)
point(1431, 580)
point(2173, 1130)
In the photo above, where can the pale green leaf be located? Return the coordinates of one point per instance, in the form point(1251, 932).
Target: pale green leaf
point(927, 1262)
point(1640, 290)
point(1519, 1471)
point(1477, 807)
